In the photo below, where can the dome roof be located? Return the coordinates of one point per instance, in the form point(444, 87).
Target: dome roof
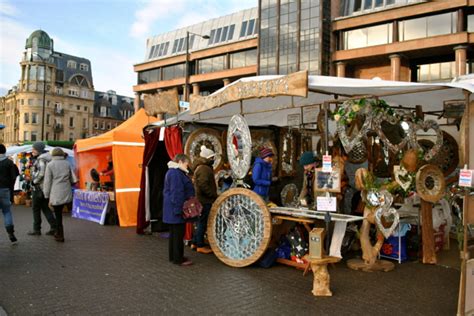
point(44, 41)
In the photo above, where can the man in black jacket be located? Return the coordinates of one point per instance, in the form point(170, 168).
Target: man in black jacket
point(8, 174)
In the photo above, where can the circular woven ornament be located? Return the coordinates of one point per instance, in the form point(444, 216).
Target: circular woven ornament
point(358, 154)
point(208, 137)
point(430, 183)
point(239, 227)
point(289, 195)
point(447, 158)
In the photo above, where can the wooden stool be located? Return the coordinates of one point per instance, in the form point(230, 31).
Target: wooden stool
point(321, 275)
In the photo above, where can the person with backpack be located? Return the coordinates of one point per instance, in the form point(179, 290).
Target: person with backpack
point(40, 202)
point(8, 174)
point(206, 192)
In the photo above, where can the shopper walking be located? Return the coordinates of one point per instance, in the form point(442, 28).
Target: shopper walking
point(206, 192)
point(40, 203)
point(177, 189)
point(58, 182)
point(262, 173)
point(8, 174)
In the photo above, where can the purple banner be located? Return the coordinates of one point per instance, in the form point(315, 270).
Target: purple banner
point(90, 205)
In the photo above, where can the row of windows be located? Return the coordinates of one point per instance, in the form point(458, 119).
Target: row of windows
point(206, 65)
point(222, 34)
point(249, 27)
point(33, 136)
point(102, 125)
point(159, 50)
point(35, 120)
point(434, 25)
point(179, 44)
point(73, 65)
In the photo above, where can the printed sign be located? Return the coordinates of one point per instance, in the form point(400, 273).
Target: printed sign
point(310, 114)
point(326, 203)
point(294, 120)
point(465, 178)
point(90, 205)
point(327, 163)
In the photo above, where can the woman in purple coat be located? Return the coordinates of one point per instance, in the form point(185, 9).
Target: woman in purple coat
point(178, 188)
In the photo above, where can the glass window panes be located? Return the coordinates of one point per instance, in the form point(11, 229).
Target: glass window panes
point(439, 24)
point(436, 72)
point(212, 64)
point(378, 3)
point(231, 32)
point(180, 45)
point(250, 27)
point(211, 39)
point(470, 23)
point(218, 35)
point(151, 51)
point(175, 46)
point(243, 30)
point(427, 26)
point(224, 34)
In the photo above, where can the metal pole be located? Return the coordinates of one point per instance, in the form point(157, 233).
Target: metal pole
point(44, 100)
point(186, 79)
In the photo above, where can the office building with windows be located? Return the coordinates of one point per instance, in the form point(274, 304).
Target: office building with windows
point(406, 40)
point(220, 50)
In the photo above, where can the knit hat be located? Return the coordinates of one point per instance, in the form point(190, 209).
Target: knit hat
point(57, 152)
point(307, 158)
point(39, 147)
point(206, 152)
point(266, 152)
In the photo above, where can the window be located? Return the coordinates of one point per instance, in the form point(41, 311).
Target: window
point(180, 45)
point(212, 64)
point(78, 107)
point(152, 50)
point(369, 36)
point(174, 71)
point(250, 27)
point(59, 90)
point(48, 118)
point(149, 76)
point(102, 126)
point(224, 33)
point(108, 126)
point(25, 136)
point(243, 59)
point(439, 24)
point(47, 136)
point(71, 137)
point(84, 94)
point(30, 101)
point(175, 46)
point(71, 121)
point(437, 72)
point(84, 67)
point(85, 108)
point(71, 64)
point(103, 111)
point(231, 32)
point(470, 23)
point(34, 136)
point(26, 117)
point(22, 102)
point(57, 106)
point(218, 35)
point(211, 37)
point(243, 29)
point(34, 118)
point(73, 93)
point(84, 123)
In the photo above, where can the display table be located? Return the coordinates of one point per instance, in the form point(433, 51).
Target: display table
point(304, 214)
point(321, 275)
point(91, 205)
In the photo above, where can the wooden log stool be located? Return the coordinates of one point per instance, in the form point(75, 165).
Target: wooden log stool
point(321, 275)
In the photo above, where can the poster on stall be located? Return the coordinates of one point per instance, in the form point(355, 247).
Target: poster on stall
point(465, 178)
point(327, 163)
point(90, 205)
point(324, 203)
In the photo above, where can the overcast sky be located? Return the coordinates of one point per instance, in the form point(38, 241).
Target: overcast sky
point(110, 33)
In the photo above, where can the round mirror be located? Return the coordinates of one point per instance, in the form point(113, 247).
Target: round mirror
point(239, 146)
point(289, 195)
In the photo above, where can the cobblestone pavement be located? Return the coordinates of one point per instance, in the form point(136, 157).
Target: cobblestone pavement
point(111, 270)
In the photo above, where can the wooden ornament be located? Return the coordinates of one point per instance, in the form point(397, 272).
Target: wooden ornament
point(430, 183)
point(410, 160)
point(208, 137)
point(360, 174)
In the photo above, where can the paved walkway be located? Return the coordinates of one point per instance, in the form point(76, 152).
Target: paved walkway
point(111, 270)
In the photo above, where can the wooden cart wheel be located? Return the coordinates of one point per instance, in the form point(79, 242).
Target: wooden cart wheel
point(209, 137)
point(239, 227)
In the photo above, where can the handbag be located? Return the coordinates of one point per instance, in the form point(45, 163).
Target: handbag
point(192, 208)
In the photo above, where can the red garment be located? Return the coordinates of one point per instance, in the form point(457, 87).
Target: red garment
point(173, 141)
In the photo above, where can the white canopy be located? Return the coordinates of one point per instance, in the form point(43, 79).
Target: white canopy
point(14, 150)
point(274, 111)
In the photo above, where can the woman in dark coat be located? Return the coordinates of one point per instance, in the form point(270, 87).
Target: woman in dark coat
point(178, 188)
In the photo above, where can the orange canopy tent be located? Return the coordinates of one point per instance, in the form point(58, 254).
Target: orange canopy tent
point(126, 145)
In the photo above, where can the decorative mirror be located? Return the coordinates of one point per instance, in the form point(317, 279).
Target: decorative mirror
point(430, 183)
point(390, 130)
point(264, 138)
point(239, 146)
point(438, 138)
point(208, 137)
point(447, 157)
point(287, 153)
point(290, 195)
point(239, 227)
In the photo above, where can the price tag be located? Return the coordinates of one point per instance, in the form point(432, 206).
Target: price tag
point(162, 134)
point(465, 178)
point(327, 163)
point(324, 203)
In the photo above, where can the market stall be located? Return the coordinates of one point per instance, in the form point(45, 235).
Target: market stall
point(124, 145)
point(375, 122)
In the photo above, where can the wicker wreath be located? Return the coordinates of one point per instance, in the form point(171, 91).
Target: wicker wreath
point(239, 227)
point(209, 137)
point(430, 183)
point(447, 157)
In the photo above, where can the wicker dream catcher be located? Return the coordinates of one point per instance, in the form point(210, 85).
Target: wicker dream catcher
point(239, 227)
point(208, 137)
